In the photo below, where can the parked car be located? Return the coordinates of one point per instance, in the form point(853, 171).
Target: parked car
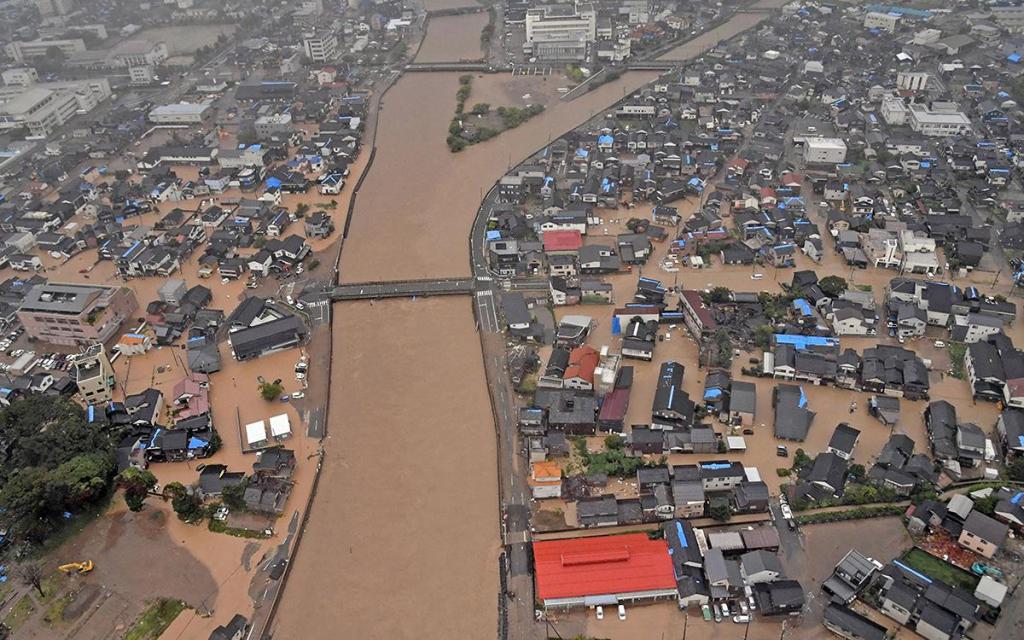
point(622, 612)
point(782, 451)
point(743, 619)
point(599, 612)
point(939, 344)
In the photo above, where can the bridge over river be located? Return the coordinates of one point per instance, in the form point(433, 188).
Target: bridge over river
point(403, 289)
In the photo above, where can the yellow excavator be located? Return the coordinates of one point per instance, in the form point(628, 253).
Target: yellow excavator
point(76, 567)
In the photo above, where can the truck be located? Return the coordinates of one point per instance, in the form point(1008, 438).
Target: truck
point(24, 363)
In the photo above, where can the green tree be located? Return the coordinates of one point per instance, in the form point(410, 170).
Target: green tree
point(234, 495)
point(857, 472)
point(800, 460)
point(301, 209)
point(1016, 470)
point(188, 506)
point(763, 336)
point(832, 286)
point(82, 479)
point(271, 390)
point(137, 483)
point(172, 490)
point(720, 512)
point(614, 441)
point(29, 512)
point(987, 505)
point(480, 109)
point(719, 295)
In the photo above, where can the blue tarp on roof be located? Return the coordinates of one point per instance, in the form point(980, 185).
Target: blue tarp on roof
point(911, 571)
point(1013, 57)
point(803, 307)
point(802, 342)
point(1017, 498)
point(493, 234)
point(273, 182)
point(681, 534)
point(712, 393)
point(714, 466)
point(803, 398)
point(605, 139)
point(196, 443)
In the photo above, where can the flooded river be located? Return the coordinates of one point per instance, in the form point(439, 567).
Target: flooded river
point(403, 537)
point(453, 38)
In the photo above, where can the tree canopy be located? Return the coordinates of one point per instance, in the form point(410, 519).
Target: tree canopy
point(54, 462)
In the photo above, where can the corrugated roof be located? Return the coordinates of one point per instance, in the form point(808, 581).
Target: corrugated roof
point(600, 566)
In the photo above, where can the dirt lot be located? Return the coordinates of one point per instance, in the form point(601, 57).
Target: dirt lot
point(184, 40)
point(403, 539)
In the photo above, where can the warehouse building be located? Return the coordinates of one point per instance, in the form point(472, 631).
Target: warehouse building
point(607, 570)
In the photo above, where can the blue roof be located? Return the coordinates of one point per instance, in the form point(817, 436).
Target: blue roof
point(1017, 498)
point(712, 393)
point(1013, 57)
point(682, 535)
point(196, 443)
point(494, 234)
point(803, 306)
point(714, 466)
point(911, 571)
point(605, 139)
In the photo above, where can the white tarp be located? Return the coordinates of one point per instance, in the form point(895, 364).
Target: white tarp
point(255, 433)
point(280, 426)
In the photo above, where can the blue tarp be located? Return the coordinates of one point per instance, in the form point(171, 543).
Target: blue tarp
point(713, 466)
point(616, 325)
point(803, 307)
point(1013, 57)
point(803, 399)
point(1017, 498)
point(605, 139)
point(196, 443)
point(273, 183)
point(802, 342)
point(681, 534)
point(493, 235)
point(712, 393)
point(911, 571)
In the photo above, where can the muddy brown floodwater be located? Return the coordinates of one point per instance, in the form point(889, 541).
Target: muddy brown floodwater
point(453, 38)
point(403, 540)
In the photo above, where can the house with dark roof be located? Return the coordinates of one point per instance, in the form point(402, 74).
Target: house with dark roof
point(783, 597)
point(843, 440)
point(847, 623)
point(982, 534)
point(792, 417)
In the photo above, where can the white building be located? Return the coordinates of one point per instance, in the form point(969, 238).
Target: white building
point(912, 80)
point(42, 108)
point(138, 52)
point(560, 31)
point(894, 111)
point(141, 74)
point(20, 77)
point(54, 7)
point(938, 119)
point(877, 20)
point(824, 151)
point(180, 113)
point(320, 47)
point(22, 51)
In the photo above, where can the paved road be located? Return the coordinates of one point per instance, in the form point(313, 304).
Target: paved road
point(402, 289)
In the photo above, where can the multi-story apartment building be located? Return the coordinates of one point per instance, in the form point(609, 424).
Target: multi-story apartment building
point(75, 314)
point(560, 31)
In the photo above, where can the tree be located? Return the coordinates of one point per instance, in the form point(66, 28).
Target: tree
point(234, 495)
point(800, 460)
point(29, 511)
point(188, 506)
point(137, 483)
point(271, 390)
point(614, 441)
point(718, 295)
point(987, 505)
point(173, 490)
point(82, 479)
point(480, 109)
point(723, 349)
point(832, 286)
point(301, 209)
point(1016, 470)
point(763, 336)
point(720, 512)
point(31, 575)
point(857, 472)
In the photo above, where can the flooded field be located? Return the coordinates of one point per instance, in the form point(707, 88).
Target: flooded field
point(186, 39)
point(403, 538)
point(453, 38)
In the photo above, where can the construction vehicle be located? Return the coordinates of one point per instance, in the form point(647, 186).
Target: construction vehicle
point(76, 567)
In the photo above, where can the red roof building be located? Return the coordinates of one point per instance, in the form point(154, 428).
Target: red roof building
point(603, 570)
point(562, 241)
point(580, 372)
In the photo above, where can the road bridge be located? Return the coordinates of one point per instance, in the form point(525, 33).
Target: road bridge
point(653, 65)
point(403, 289)
point(421, 67)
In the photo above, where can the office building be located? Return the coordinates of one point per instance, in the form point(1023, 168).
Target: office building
point(75, 314)
point(94, 375)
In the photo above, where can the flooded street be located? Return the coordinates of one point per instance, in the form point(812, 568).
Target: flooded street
point(403, 539)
